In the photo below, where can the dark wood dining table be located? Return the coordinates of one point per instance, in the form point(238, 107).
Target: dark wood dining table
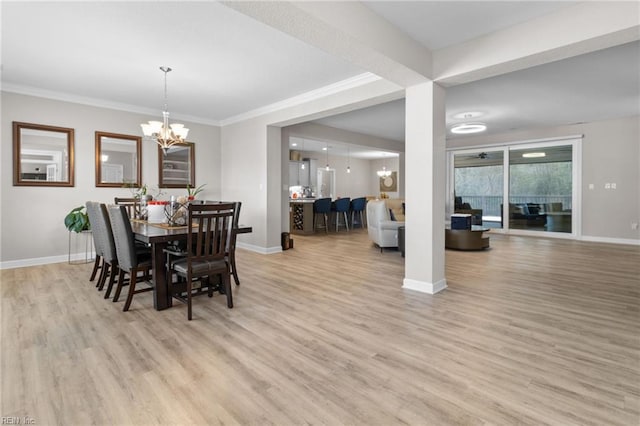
point(158, 237)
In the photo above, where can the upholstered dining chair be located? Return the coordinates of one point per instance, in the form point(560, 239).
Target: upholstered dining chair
point(130, 259)
point(98, 242)
point(341, 208)
point(180, 250)
point(132, 205)
point(208, 239)
point(103, 239)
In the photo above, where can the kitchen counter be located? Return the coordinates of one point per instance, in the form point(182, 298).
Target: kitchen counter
point(301, 200)
point(301, 215)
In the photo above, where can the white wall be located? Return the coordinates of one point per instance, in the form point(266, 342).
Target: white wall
point(610, 154)
point(32, 217)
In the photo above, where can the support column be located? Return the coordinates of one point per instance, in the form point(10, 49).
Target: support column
point(425, 188)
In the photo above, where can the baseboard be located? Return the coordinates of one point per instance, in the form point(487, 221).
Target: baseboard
point(627, 241)
point(258, 249)
point(423, 286)
point(23, 263)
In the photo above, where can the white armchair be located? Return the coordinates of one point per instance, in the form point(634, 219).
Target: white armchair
point(382, 230)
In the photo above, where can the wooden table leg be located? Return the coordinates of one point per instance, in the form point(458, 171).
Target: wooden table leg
point(161, 294)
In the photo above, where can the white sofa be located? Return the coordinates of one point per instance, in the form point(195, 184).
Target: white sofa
point(382, 230)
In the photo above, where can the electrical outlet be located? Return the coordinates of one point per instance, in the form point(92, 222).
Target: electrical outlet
point(613, 186)
point(607, 186)
point(591, 186)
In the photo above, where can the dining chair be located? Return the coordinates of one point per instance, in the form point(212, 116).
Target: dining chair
point(178, 250)
point(97, 240)
point(209, 236)
point(132, 205)
point(103, 238)
point(131, 259)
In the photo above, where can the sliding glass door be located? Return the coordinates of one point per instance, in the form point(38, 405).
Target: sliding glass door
point(539, 180)
point(541, 188)
point(479, 186)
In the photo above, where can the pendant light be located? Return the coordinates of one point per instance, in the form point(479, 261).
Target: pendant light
point(348, 161)
point(327, 149)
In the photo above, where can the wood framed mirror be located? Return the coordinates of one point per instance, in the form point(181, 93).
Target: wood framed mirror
point(118, 160)
point(42, 155)
point(177, 167)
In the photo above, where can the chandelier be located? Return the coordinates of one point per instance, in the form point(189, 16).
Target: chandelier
point(164, 134)
point(384, 172)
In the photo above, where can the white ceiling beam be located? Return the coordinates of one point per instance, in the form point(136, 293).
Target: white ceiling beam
point(348, 30)
point(571, 31)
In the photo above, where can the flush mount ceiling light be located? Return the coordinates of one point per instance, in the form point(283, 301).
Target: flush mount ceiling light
point(164, 134)
point(466, 128)
point(534, 155)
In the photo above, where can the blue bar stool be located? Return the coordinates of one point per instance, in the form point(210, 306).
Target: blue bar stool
point(322, 206)
point(341, 205)
point(357, 210)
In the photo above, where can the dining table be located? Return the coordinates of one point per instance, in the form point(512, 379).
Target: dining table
point(158, 236)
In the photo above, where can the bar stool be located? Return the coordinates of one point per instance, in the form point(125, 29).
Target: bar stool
point(341, 205)
point(322, 206)
point(357, 210)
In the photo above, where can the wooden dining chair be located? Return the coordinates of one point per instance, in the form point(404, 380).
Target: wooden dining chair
point(209, 236)
point(131, 204)
point(131, 260)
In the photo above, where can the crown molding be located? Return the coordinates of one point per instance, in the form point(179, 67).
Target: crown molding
point(100, 103)
point(340, 86)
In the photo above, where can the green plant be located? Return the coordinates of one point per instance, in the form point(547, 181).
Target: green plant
point(192, 192)
point(77, 220)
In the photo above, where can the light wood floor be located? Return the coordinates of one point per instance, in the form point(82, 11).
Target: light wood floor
point(532, 331)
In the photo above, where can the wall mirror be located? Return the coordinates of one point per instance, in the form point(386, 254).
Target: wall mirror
point(118, 160)
point(42, 155)
point(176, 166)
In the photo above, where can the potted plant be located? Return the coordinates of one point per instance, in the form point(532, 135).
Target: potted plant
point(192, 192)
point(77, 220)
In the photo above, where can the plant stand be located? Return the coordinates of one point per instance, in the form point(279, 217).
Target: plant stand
point(78, 243)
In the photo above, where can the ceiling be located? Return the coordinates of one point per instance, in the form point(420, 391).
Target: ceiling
point(226, 64)
point(596, 86)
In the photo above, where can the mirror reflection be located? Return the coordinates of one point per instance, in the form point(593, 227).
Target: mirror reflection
point(43, 155)
point(118, 160)
point(177, 166)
